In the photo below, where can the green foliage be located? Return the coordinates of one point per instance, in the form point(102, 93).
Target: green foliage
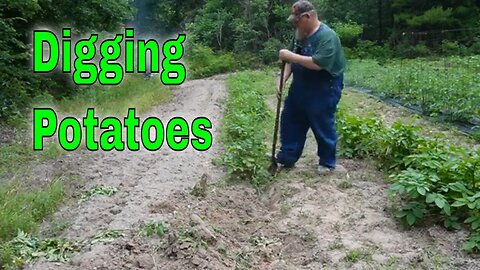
point(242, 27)
point(203, 62)
point(17, 18)
point(349, 33)
point(369, 49)
point(436, 16)
point(356, 135)
point(429, 178)
point(269, 53)
point(154, 228)
point(107, 236)
point(98, 190)
point(244, 127)
point(425, 83)
point(25, 248)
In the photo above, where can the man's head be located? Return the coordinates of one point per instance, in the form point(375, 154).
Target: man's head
point(303, 15)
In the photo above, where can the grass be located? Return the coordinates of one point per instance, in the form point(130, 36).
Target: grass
point(133, 92)
point(358, 254)
point(23, 210)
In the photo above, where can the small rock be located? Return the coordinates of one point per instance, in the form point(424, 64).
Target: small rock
point(129, 246)
point(116, 211)
point(145, 261)
point(196, 260)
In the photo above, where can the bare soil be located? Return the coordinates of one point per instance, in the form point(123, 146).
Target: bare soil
point(304, 221)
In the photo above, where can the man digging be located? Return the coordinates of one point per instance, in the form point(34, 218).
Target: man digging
point(317, 63)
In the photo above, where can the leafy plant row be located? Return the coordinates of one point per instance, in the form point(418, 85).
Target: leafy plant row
point(432, 181)
point(448, 87)
point(244, 126)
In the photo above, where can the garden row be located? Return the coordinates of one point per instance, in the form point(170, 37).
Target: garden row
point(432, 181)
point(448, 87)
point(246, 120)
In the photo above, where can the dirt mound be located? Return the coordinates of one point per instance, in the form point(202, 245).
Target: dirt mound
point(231, 228)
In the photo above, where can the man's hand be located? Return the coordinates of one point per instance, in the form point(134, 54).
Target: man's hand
point(290, 57)
point(286, 55)
point(279, 94)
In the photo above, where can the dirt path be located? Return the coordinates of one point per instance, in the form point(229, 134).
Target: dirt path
point(303, 222)
point(141, 177)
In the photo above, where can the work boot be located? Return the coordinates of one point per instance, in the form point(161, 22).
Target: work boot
point(323, 170)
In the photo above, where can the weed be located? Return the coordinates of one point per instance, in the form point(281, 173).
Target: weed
point(107, 236)
point(191, 237)
point(223, 251)
point(25, 248)
point(285, 207)
point(345, 184)
point(355, 255)
point(262, 241)
point(98, 190)
point(309, 236)
point(115, 100)
point(243, 259)
point(336, 244)
point(154, 228)
point(337, 227)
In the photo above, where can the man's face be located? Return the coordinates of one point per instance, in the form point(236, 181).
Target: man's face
point(301, 20)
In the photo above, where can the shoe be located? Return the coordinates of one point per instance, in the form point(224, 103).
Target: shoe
point(322, 170)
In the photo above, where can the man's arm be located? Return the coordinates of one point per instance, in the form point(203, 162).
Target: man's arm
point(306, 61)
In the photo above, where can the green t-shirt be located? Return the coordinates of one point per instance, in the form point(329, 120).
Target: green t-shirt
point(326, 50)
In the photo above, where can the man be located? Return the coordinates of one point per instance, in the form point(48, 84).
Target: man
point(317, 63)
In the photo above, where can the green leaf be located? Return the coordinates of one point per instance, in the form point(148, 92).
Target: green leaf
point(470, 219)
point(417, 212)
point(458, 204)
point(476, 224)
point(411, 219)
point(440, 202)
point(430, 197)
point(468, 246)
point(421, 191)
point(447, 209)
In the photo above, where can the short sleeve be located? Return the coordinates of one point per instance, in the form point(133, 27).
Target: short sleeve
point(324, 54)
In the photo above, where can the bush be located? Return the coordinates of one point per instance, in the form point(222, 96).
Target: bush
point(409, 51)
point(269, 53)
point(369, 49)
point(203, 62)
point(450, 47)
point(475, 47)
point(348, 33)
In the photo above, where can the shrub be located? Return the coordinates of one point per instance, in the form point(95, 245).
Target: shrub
point(369, 49)
point(203, 62)
point(348, 33)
